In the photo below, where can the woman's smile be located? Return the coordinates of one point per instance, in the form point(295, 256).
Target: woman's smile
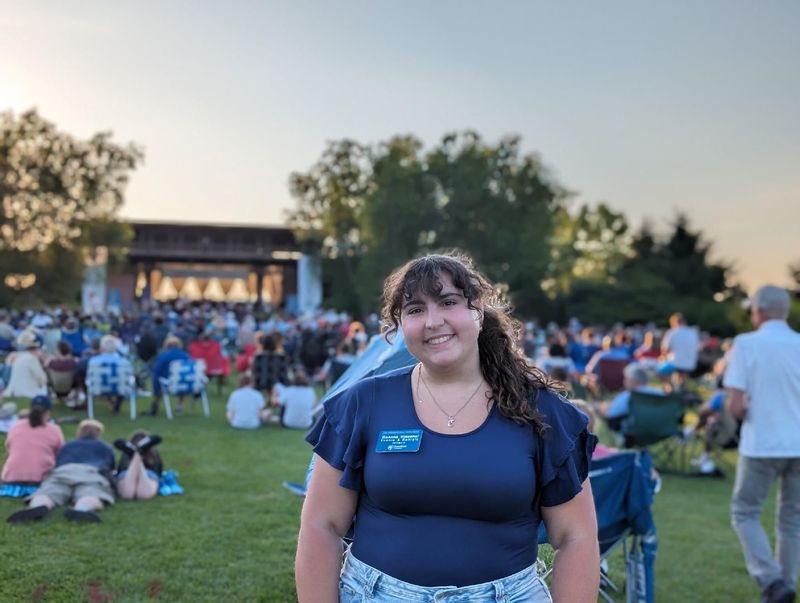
point(439, 339)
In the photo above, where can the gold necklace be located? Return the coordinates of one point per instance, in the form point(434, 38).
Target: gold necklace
point(451, 419)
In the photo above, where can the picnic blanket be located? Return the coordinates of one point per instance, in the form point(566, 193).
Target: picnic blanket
point(168, 486)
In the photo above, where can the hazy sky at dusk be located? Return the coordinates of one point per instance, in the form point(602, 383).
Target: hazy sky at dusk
point(651, 107)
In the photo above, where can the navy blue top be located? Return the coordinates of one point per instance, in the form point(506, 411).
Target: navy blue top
point(161, 366)
point(462, 510)
point(87, 451)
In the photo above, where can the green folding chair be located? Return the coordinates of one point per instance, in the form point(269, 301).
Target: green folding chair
point(655, 422)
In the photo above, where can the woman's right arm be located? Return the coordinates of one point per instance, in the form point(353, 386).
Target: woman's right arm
point(327, 515)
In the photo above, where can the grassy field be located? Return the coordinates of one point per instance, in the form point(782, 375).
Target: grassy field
point(232, 535)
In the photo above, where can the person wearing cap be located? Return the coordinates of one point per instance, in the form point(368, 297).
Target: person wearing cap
point(82, 475)
point(173, 350)
point(28, 378)
point(32, 444)
point(763, 385)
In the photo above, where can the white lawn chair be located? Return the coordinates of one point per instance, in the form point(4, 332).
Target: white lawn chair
point(110, 379)
point(187, 377)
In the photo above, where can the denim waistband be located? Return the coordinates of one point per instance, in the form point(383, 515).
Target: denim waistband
point(358, 574)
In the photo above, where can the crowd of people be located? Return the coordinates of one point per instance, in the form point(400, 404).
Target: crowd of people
point(82, 473)
point(280, 362)
point(50, 352)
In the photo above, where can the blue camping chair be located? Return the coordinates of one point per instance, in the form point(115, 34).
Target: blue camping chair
point(380, 357)
point(187, 377)
point(110, 379)
point(623, 494)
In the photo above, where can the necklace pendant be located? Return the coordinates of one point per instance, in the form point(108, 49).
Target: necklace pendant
point(450, 421)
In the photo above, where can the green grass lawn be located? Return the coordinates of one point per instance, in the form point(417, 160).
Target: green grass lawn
point(232, 535)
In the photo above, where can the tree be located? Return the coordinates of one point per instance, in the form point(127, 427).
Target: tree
point(592, 244)
point(330, 198)
point(52, 183)
point(662, 276)
point(379, 206)
point(399, 216)
point(794, 274)
point(59, 200)
point(497, 204)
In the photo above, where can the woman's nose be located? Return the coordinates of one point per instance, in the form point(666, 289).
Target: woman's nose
point(433, 318)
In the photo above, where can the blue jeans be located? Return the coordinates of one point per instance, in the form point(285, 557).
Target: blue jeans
point(360, 583)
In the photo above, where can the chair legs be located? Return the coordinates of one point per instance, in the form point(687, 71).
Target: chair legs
point(167, 405)
point(90, 404)
point(204, 398)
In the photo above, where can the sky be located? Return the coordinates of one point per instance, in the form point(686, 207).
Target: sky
point(651, 107)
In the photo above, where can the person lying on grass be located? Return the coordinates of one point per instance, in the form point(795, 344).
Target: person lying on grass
point(82, 475)
point(140, 467)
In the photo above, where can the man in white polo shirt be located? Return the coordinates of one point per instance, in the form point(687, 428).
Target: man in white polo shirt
point(763, 382)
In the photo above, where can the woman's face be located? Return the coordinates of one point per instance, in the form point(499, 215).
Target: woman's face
point(441, 331)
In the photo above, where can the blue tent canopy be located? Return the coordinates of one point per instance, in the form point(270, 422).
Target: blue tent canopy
point(380, 357)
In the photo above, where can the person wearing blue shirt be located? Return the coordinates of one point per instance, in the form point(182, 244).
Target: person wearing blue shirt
point(173, 350)
point(449, 466)
point(82, 475)
point(615, 411)
point(610, 351)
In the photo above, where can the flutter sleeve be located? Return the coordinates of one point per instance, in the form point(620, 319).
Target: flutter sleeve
point(565, 450)
point(338, 435)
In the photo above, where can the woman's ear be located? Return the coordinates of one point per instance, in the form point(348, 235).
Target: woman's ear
point(479, 316)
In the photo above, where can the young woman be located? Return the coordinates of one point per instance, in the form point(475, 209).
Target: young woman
point(450, 466)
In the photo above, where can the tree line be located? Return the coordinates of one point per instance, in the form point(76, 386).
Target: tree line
point(60, 199)
point(365, 209)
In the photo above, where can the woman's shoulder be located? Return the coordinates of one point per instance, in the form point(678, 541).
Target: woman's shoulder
point(53, 427)
point(558, 413)
point(357, 399)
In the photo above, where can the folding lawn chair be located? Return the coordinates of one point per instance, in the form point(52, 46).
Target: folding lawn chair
point(110, 379)
point(186, 378)
point(623, 494)
point(610, 374)
point(655, 422)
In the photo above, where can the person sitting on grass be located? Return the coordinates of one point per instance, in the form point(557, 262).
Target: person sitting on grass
point(245, 409)
point(28, 378)
point(32, 445)
point(140, 467)
point(82, 475)
point(719, 428)
point(297, 402)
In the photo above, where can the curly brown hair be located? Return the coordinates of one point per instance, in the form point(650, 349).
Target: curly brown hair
point(515, 383)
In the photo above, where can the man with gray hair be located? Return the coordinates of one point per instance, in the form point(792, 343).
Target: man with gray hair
point(763, 383)
point(635, 380)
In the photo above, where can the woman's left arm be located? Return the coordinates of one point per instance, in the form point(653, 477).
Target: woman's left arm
point(572, 531)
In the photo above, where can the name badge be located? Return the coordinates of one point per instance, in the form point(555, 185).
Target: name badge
point(399, 440)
